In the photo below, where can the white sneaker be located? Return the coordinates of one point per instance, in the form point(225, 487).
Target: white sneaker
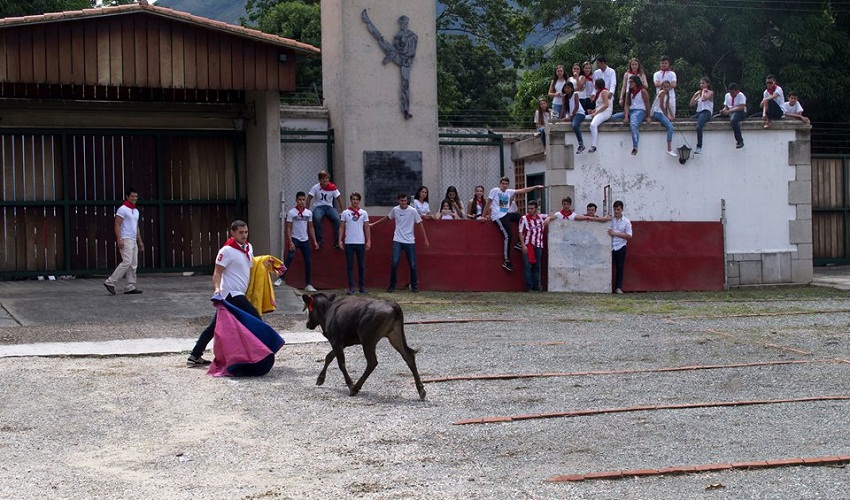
point(309, 288)
point(698, 150)
point(278, 282)
point(672, 154)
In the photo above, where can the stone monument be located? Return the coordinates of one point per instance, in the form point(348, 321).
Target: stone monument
point(379, 67)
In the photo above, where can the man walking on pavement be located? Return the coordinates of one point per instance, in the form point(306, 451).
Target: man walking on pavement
point(129, 241)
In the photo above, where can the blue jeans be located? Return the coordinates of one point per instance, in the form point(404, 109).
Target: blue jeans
point(619, 257)
point(636, 117)
point(556, 109)
point(542, 131)
point(703, 117)
point(659, 116)
point(410, 250)
point(735, 120)
point(358, 249)
point(577, 119)
point(321, 212)
point(304, 246)
point(532, 271)
point(239, 301)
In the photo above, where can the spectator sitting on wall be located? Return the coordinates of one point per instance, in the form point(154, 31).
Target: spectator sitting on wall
point(772, 102)
point(735, 107)
point(498, 209)
point(541, 118)
point(326, 195)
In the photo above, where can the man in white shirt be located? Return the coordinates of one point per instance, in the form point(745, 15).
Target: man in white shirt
point(230, 280)
point(129, 241)
point(326, 195)
point(735, 107)
point(355, 238)
point(606, 73)
point(498, 209)
point(666, 74)
point(405, 217)
point(299, 234)
point(620, 232)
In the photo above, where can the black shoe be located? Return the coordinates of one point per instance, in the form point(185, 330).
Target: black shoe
point(391, 289)
point(336, 245)
point(351, 291)
point(507, 265)
point(109, 288)
point(518, 246)
point(414, 290)
point(363, 291)
point(134, 291)
point(198, 362)
point(739, 145)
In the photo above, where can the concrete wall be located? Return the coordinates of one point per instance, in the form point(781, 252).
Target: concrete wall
point(363, 95)
point(579, 257)
point(264, 173)
point(766, 187)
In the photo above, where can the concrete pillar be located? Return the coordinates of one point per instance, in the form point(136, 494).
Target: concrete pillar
point(362, 84)
point(579, 257)
point(264, 172)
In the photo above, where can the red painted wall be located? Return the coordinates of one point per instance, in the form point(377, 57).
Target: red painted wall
point(467, 256)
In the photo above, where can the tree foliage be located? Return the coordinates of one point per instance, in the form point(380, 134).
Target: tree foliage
point(15, 8)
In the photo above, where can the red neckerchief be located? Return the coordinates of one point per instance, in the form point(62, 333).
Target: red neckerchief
point(355, 211)
point(663, 72)
point(300, 211)
point(331, 187)
point(566, 214)
point(771, 89)
point(635, 92)
point(596, 95)
point(629, 72)
point(232, 243)
point(131, 206)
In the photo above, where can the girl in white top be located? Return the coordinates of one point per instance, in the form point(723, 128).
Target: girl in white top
point(420, 203)
point(661, 112)
point(541, 118)
point(476, 204)
point(635, 68)
point(703, 99)
point(556, 87)
point(454, 202)
point(603, 100)
point(635, 109)
point(446, 212)
point(585, 94)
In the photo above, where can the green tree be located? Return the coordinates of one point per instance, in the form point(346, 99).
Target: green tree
point(14, 8)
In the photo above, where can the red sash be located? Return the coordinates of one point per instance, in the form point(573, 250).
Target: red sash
point(131, 206)
point(232, 243)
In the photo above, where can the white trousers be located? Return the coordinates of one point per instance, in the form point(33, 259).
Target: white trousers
point(128, 265)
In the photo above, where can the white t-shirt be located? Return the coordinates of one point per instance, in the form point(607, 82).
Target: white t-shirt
point(739, 99)
point(705, 104)
point(797, 108)
point(322, 197)
point(779, 100)
point(560, 215)
point(610, 77)
point(423, 207)
point(237, 270)
point(500, 202)
point(559, 87)
point(129, 221)
point(405, 221)
point(637, 102)
point(354, 232)
point(299, 223)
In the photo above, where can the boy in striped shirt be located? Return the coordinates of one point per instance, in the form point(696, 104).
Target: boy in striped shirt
point(531, 227)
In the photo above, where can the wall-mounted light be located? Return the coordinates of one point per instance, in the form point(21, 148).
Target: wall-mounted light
point(240, 124)
point(684, 153)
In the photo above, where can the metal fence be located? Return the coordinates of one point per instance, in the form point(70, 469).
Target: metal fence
point(303, 154)
point(468, 159)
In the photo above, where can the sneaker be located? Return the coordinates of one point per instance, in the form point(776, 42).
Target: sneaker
point(618, 291)
point(363, 291)
point(279, 282)
point(670, 153)
point(414, 290)
point(390, 289)
point(198, 362)
point(698, 150)
point(134, 291)
point(592, 149)
point(507, 265)
point(336, 245)
point(580, 149)
point(739, 145)
point(518, 246)
point(634, 151)
point(110, 288)
point(309, 288)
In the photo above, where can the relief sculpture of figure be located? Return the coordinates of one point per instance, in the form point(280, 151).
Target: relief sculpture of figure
point(401, 51)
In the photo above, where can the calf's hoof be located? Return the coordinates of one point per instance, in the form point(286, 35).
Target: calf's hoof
point(320, 380)
point(422, 393)
point(353, 391)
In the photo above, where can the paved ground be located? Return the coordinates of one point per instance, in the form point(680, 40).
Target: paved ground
point(143, 426)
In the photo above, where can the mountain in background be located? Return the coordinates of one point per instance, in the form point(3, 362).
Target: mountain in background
point(228, 11)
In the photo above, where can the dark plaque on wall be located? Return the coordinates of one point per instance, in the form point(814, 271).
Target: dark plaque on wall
point(388, 173)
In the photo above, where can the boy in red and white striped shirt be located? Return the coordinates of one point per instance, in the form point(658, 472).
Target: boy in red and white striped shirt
point(531, 227)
